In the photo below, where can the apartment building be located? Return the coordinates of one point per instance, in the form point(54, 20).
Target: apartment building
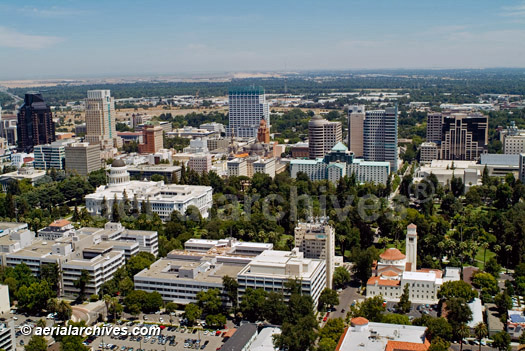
point(200, 163)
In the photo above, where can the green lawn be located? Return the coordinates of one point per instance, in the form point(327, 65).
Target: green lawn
point(479, 257)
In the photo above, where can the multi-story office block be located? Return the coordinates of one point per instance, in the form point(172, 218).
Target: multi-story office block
point(247, 106)
point(264, 165)
point(35, 123)
point(101, 119)
point(380, 136)
point(464, 137)
point(237, 167)
point(51, 155)
point(434, 127)
point(514, 144)
point(83, 158)
point(322, 136)
point(271, 270)
point(153, 139)
point(428, 151)
point(356, 120)
point(317, 240)
point(200, 163)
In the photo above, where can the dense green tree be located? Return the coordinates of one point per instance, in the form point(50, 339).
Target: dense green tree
point(81, 283)
point(458, 312)
point(480, 331)
point(501, 341)
point(139, 262)
point(192, 312)
point(436, 327)
point(36, 343)
point(371, 308)
point(327, 298)
point(231, 286)
point(439, 344)
point(341, 277)
point(209, 301)
point(395, 318)
point(404, 302)
point(253, 303)
point(456, 289)
point(33, 298)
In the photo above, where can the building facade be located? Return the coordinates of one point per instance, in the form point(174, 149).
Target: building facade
point(82, 158)
point(247, 106)
point(51, 155)
point(101, 119)
point(271, 270)
point(263, 133)
point(317, 240)
point(156, 196)
point(434, 127)
point(340, 163)
point(153, 140)
point(464, 137)
point(200, 163)
point(35, 123)
point(322, 136)
point(380, 136)
point(428, 151)
point(356, 120)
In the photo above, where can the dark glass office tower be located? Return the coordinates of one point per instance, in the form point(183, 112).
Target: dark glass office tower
point(35, 123)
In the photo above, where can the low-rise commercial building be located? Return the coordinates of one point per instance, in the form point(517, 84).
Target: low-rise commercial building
point(56, 230)
point(272, 269)
point(144, 172)
point(363, 335)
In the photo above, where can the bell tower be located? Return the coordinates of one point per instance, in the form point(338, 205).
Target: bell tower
point(411, 246)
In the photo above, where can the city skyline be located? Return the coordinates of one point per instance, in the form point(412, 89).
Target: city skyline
point(69, 37)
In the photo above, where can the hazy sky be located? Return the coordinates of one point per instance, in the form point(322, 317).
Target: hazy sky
point(50, 38)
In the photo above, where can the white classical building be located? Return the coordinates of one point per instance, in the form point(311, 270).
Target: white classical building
point(161, 198)
point(340, 163)
point(395, 270)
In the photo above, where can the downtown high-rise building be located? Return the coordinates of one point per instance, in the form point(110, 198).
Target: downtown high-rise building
point(380, 136)
point(322, 136)
point(101, 119)
point(247, 107)
point(464, 137)
point(35, 123)
point(434, 127)
point(356, 120)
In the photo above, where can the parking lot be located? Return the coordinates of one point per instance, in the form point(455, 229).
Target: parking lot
point(174, 338)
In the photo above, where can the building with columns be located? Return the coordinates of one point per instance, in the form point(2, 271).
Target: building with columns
point(160, 198)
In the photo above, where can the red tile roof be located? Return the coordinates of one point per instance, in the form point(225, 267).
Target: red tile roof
point(412, 226)
point(382, 282)
point(389, 273)
point(392, 254)
point(406, 346)
point(359, 321)
point(60, 223)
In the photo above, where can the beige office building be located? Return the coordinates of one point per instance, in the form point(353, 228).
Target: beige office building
point(322, 135)
point(101, 119)
point(83, 158)
point(317, 240)
point(356, 118)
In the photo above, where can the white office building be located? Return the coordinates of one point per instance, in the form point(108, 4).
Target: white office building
point(247, 106)
point(340, 163)
point(51, 155)
point(272, 269)
point(7, 336)
point(237, 167)
point(265, 165)
point(160, 198)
